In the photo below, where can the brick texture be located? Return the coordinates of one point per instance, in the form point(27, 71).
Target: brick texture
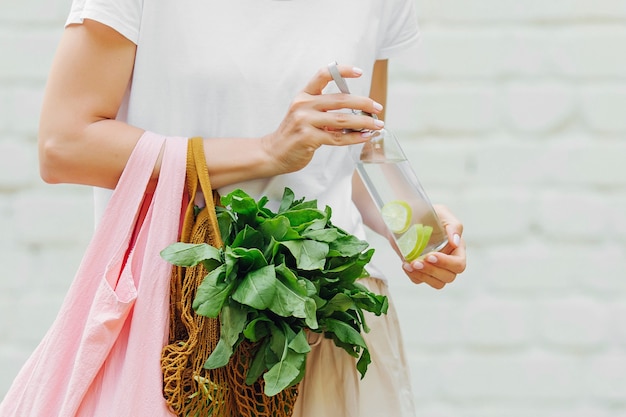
point(513, 114)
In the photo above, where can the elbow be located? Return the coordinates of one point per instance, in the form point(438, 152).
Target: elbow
point(53, 157)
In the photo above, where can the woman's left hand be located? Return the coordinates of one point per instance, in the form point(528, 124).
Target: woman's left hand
point(440, 268)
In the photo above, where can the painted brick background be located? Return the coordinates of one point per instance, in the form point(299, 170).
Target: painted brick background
point(513, 114)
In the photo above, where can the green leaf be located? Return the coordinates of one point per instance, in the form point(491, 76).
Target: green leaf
point(189, 254)
point(257, 329)
point(240, 202)
point(318, 224)
point(248, 238)
point(299, 344)
point(311, 288)
point(291, 300)
point(347, 246)
point(339, 302)
point(243, 260)
point(232, 322)
point(344, 332)
point(257, 366)
point(226, 221)
point(302, 217)
point(304, 205)
point(363, 362)
point(348, 269)
point(368, 301)
point(310, 313)
point(300, 377)
point(350, 349)
point(322, 235)
point(309, 254)
point(220, 355)
point(278, 344)
point(212, 293)
point(290, 279)
point(279, 228)
point(233, 319)
point(283, 374)
point(257, 289)
point(287, 200)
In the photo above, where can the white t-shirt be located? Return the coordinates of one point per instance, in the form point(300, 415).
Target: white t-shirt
point(231, 69)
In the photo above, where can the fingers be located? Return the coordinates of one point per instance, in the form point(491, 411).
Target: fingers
point(324, 108)
point(335, 121)
point(429, 273)
point(339, 101)
point(323, 77)
point(438, 269)
point(311, 108)
point(334, 127)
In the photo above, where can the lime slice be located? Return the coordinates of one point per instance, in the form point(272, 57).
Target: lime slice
point(414, 241)
point(427, 231)
point(409, 241)
point(397, 216)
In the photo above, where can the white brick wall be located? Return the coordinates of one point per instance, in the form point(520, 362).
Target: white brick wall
point(513, 113)
point(43, 229)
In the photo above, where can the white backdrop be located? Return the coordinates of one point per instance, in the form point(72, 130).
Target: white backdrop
point(513, 114)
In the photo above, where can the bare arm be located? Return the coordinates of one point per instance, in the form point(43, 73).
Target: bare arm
point(81, 142)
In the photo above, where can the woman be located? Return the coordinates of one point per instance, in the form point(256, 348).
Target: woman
point(238, 74)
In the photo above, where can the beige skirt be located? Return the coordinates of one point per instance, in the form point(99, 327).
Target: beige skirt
point(332, 386)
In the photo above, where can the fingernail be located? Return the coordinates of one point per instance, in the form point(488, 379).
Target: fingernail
point(418, 265)
point(366, 133)
point(378, 106)
point(432, 259)
point(379, 123)
point(357, 70)
point(456, 239)
point(407, 267)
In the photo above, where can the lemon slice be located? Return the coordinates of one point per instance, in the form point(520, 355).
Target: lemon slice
point(413, 242)
point(397, 216)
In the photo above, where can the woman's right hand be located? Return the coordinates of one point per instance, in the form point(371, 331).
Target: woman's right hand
point(312, 122)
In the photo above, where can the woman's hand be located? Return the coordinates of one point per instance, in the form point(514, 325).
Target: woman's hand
point(311, 122)
point(440, 268)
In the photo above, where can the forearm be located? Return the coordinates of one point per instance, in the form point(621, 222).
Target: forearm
point(233, 160)
point(97, 153)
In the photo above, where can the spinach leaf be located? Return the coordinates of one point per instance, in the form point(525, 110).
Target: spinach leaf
point(212, 293)
point(232, 322)
point(309, 254)
point(258, 288)
point(284, 373)
point(189, 254)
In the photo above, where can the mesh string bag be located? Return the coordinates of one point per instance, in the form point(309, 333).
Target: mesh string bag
point(190, 389)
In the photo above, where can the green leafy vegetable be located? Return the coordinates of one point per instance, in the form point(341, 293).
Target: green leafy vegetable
point(279, 276)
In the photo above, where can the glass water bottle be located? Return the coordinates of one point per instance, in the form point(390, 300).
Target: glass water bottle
point(398, 194)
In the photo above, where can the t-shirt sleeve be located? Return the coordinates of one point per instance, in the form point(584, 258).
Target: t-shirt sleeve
point(122, 15)
point(399, 29)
